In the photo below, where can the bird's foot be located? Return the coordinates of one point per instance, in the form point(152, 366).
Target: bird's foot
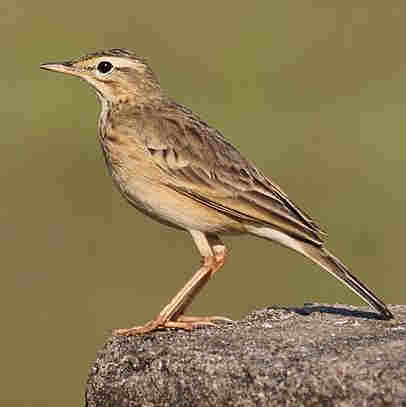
point(202, 320)
point(182, 322)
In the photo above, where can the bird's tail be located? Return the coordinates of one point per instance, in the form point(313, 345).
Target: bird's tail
point(334, 266)
point(321, 256)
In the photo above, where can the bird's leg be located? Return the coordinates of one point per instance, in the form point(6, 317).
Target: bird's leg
point(216, 262)
point(213, 253)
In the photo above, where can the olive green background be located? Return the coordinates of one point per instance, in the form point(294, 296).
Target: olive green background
point(312, 91)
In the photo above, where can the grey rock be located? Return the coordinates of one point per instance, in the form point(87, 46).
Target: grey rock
point(317, 355)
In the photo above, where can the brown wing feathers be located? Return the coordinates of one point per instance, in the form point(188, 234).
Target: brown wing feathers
point(203, 165)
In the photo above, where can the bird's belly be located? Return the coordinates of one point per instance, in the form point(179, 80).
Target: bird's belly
point(143, 185)
point(174, 209)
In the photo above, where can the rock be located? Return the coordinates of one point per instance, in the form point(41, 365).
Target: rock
point(317, 355)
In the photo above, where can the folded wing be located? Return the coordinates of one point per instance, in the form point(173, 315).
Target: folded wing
point(200, 163)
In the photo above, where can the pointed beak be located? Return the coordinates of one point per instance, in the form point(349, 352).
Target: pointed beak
point(64, 67)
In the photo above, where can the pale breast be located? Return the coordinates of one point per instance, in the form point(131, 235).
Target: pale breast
point(142, 183)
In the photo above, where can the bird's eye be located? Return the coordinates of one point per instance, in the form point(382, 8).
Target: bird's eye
point(104, 67)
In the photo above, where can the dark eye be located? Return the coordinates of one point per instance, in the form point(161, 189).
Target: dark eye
point(104, 66)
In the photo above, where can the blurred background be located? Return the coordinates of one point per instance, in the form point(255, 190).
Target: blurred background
point(313, 94)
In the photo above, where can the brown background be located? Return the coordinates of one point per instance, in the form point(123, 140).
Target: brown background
point(314, 94)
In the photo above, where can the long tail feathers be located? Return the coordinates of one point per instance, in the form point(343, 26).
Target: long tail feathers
point(334, 266)
point(321, 256)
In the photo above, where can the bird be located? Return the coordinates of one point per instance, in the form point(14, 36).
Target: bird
point(173, 166)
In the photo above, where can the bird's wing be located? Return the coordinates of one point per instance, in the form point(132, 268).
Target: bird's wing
point(200, 163)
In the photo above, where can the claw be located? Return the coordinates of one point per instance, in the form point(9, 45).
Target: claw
point(149, 327)
point(182, 322)
point(185, 318)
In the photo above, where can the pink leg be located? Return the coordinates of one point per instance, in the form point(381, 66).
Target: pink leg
point(213, 253)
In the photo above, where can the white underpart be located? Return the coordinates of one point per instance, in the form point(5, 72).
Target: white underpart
point(276, 236)
point(103, 112)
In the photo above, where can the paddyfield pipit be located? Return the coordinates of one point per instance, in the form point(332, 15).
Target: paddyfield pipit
point(174, 167)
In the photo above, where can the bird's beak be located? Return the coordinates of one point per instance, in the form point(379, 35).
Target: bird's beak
point(64, 67)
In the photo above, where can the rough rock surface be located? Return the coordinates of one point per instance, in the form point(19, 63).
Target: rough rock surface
point(317, 355)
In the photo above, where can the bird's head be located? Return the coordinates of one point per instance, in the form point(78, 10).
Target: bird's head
point(115, 74)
